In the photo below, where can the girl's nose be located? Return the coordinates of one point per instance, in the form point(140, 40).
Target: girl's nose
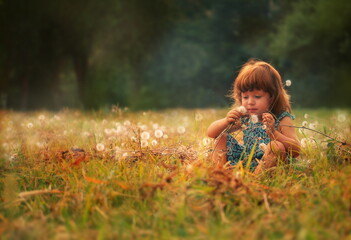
point(251, 101)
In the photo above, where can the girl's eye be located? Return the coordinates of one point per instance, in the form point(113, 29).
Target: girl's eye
point(258, 97)
point(245, 97)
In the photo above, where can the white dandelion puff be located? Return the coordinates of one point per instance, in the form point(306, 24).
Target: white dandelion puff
point(100, 147)
point(165, 136)
point(312, 126)
point(264, 126)
point(134, 139)
point(144, 143)
point(30, 125)
point(242, 109)
point(155, 126)
point(145, 135)
point(86, 134)
point(198, 117)
point(181, 129)
point(254, 118)
point(126, 123)
point(143, 127)
point(304, 123)
point(262, 146)
point(108, 131)
point(206, 141)
point(304, 142)
point(288, 83)
point(154, 142)
point(125, 154)
point(41, 117)
point(158, 133)
point(306, 115)
point(341, 117)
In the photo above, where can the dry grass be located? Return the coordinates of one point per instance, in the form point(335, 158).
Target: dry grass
point(72, 175)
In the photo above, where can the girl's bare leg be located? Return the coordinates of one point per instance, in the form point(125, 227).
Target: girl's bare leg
point(219, 156)
point(275, 150)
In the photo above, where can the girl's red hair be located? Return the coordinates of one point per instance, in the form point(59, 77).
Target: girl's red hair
point(259, 75)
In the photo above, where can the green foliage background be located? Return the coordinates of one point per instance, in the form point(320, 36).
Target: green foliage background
point(168, 53)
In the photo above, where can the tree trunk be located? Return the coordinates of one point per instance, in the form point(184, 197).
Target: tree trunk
point(80, 68)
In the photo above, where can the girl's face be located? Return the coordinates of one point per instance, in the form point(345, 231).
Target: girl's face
point(256, 102)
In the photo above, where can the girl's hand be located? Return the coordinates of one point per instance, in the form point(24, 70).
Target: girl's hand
point(233, 116)
point(269, 121)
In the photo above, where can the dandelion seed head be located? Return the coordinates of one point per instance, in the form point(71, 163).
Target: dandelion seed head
point(181, 129)
point(126, 123)
point(206, 141)
point(305, 123)
point(155, 126)
point(144, 143)
point(100, 147)
point(41, 117)
point(158, 133)
point(30, 125)
point(262, 146)
point(145, 135)
point(303, 142)
point(312, 126)
point(341, 117)
point(125, 154)
point(165, 136)
point(108, 131)
point(254, 118)
point(264, 126)
point(288, 83)
point(242, 109)
point(134, 139)
point(154, 142)
point(198, 117)
point(306, 116)
point(143, 127)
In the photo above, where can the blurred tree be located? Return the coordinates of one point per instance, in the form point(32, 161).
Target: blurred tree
point(313, 46)
point(38, 38)
point(196, 63)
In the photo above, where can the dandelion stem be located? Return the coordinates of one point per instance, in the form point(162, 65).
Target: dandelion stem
point(316, 131)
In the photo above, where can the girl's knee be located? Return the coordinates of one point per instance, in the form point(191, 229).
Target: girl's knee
point(277, 148)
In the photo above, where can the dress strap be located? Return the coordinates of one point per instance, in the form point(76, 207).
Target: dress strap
point(283, 115)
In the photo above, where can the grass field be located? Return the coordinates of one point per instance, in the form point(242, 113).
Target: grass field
point(147, 175)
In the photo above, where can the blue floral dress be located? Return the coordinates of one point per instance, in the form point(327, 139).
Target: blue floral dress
point(254, 133)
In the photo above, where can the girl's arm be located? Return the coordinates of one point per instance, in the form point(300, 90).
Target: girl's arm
point(287, 136)
point(216, 128)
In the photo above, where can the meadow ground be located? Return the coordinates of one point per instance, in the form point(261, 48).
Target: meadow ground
point(147, 175)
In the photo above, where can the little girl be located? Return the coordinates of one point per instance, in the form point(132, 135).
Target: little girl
point(264, 115)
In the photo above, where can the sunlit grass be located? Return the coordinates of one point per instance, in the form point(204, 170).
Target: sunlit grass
point(148, 175)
